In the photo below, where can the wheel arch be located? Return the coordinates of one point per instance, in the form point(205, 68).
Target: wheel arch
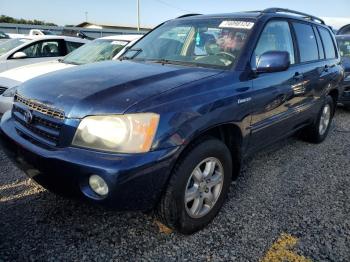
point(230, 134)
point(334, 93)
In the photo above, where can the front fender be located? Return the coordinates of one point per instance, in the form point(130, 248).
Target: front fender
point(187, 112)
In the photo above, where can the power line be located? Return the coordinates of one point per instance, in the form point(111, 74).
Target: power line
point(173, 6)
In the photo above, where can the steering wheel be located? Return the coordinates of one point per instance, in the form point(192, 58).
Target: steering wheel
point(227, 54)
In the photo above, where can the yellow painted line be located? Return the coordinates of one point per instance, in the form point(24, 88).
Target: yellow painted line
point(282, 251)
point(18, 196)
point(163, 228)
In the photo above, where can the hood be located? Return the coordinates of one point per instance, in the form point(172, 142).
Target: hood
point(21, 74)
point(109, 87)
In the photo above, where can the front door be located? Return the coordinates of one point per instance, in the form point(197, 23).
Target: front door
point(39, 51)
point(274, 93)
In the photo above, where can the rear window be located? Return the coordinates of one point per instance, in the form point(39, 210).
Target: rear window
point(306, 41)
point(327, 43)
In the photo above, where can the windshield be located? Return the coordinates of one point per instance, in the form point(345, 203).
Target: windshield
point(11, 44)
point(97, 50)
point(201, 42)
point(344, 47)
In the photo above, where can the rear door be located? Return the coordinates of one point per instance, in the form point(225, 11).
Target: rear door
point(273, 92)
point(330, 70)
point(311, 66)
point(39, 51)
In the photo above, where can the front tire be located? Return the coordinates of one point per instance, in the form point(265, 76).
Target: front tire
point(198, 187)
point(318, 131)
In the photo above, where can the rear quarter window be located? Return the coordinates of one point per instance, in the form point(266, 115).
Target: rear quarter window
point(328, 43)
point(306, 40)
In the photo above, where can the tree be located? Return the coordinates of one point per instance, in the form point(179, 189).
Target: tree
point(11, 20)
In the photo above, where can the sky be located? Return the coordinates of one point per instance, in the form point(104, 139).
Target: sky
point(153, 12)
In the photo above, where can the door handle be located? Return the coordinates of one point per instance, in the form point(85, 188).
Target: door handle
point(243, 89)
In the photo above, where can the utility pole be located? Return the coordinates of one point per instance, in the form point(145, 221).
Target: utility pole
point(138, 15)
point(86, 16)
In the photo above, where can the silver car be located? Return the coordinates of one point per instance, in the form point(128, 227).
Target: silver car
point(33, 49)
point(105, 48)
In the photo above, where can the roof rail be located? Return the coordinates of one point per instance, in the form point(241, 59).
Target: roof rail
point(283, 10)
point(187, 15)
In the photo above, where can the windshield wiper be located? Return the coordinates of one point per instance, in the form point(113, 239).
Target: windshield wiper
point(174, 62)
point(68, 62)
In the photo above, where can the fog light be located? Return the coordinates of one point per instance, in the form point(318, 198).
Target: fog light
point(98, 185)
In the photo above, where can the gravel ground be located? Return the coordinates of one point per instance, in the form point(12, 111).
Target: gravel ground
point(293, 188)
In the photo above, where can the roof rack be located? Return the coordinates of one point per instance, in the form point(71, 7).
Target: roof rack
point(187, 15)
point(283, 10)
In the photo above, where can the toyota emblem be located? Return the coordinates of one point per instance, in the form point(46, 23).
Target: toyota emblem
point(28, 117)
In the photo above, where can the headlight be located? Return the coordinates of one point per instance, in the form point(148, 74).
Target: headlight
point(10, 92)
point(131, 133)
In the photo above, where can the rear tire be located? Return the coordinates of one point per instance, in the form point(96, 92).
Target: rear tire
point(198, 187)
point(318, 131)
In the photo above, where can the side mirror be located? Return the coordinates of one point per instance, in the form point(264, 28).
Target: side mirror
point(19, 55)
point(273, 61)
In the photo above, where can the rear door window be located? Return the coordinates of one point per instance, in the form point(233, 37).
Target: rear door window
point(306, 40)
point(275, 37)
point(328, 43)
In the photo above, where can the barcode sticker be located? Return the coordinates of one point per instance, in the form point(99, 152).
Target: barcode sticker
point(236, 24)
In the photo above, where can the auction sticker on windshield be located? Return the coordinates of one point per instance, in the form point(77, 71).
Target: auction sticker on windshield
point(116, 42)
point(236, 24)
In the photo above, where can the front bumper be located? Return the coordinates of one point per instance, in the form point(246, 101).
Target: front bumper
point(136, 181)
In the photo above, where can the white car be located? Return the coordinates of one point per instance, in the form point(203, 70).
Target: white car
point(34, 49)
point(105, 48)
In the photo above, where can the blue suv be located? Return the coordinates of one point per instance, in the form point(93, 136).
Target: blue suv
point(168, 126)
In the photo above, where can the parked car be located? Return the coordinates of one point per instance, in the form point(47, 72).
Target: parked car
point(40, 32)
point(168, 126)
point(13, 35)
point(3, 37)
point(344, 48)
point(105, 48)
point(33, 49)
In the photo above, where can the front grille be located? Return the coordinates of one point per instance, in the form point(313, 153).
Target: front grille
point(36, 106)
point(45, 123)
point(2, 89)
